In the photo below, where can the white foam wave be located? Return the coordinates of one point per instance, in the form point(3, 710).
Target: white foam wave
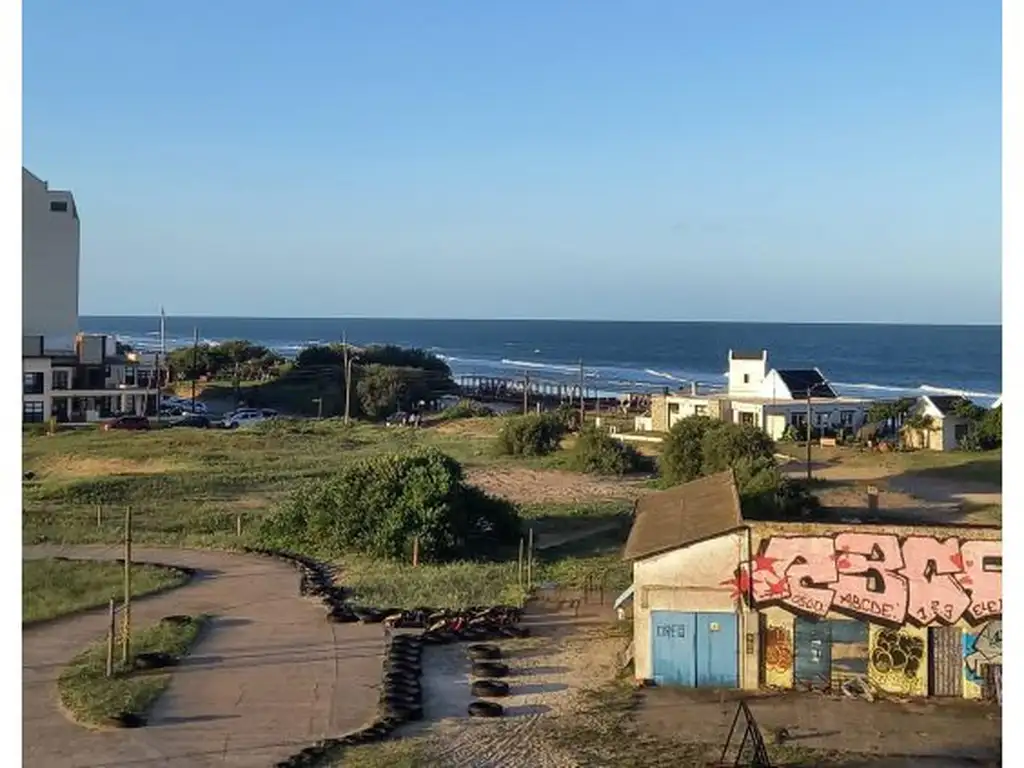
point(541, 366)
point(662, 375)
point(963, 392)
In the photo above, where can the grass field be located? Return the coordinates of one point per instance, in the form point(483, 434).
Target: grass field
point(52, 588)
point(92, 698)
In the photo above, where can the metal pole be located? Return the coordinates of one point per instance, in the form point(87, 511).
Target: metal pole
point(522, 544)
point(126, 638)
point(808, 433)
point(195, 364)
point(111, 632)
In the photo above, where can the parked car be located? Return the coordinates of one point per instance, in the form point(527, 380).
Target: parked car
point(196, 420)
point(127, 422)
point(243, 418)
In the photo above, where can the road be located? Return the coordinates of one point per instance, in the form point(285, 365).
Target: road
point(267, 678)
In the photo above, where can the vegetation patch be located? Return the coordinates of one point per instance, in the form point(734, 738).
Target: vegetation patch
point(95, 699)
point(535, 434)
point(599, 453)
point(379, 506)
point(53, 587)
point(465, 409)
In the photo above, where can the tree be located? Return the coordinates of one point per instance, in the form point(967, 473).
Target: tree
point(600, 453)
point(725, 445)
point(380, 390)
point(682, 453)
point(377, 506)
point(534, 434)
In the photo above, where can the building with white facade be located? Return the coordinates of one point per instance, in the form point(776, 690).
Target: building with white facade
point(771, 399)
point(67, 376)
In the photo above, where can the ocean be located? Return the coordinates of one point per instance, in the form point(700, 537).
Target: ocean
point(862, 360)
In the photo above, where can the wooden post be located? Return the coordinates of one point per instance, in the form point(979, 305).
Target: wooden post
point(808, 434)
point(238, 525)
point(99, 515)
point(529, 562)
point(872, 498)
point(522, 544)
point(415, 551)
point(127, 618)
point(111, 631)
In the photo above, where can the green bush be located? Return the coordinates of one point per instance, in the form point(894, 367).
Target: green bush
point(682, 453)
point(597, 452)
point(535, 434)
point(465, 409)
point(378, 505)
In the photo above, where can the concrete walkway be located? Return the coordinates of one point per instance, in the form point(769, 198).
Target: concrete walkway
point(269, 676)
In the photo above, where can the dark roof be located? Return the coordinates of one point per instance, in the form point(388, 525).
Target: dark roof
point(688, 513)
point(800, 380)
point(946, 404)
point(741, 354)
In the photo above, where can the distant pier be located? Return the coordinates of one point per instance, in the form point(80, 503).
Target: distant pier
point(547, 394)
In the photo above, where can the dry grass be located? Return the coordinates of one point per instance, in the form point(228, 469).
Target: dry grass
point(525, 485)
point(72, 467)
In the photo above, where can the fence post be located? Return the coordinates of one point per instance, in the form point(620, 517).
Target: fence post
point(238, 525)
point(522, 545)
point(529, 562)
point(126, 639)
point(415, 551)
point(111, 631)
point(99, 515)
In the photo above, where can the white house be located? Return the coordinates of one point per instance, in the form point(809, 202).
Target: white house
point(770, 399)
point(947, 430)
point(66, 375)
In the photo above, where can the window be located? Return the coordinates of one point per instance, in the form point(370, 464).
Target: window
point(32, 412)
point(129, 376)
point(700, 410)
point(59, 206)
point(746, 418)
point(798, 418)
point(61, 380)
point(673, 409)
point(746, 378)
point(33, 384)
point(823, 418)
point(846, 418)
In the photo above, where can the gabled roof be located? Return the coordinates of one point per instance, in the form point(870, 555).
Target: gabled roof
point(800, 380)
point(683, 515)
point(945, 404)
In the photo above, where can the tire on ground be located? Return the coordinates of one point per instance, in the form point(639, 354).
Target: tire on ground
point(483, 652)
point(489, 689)
point(485, 709)
point(490, 669)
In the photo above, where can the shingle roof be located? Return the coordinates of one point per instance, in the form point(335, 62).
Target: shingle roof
point(683, 515)
point(799, 380)
point(946, 404)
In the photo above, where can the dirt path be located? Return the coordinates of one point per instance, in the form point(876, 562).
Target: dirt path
point(269, 677)
point(539, 486)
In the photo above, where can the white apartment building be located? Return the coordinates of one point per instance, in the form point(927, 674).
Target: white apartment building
point(68, 376)
point(50, 256)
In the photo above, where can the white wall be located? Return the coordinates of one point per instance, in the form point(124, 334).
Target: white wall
point(687, 406)
point(746, 376)
point(691, 579)
point(50, 264)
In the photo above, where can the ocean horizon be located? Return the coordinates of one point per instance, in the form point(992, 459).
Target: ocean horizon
point(876, 360)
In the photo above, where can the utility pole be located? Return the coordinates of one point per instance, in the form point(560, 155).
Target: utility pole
point(526, 393)
point(347, 367)
point(582, 401)
point(195, 364)
point(809, 433)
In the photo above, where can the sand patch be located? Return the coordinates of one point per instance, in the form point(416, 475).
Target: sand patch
point(79, 467)
point(547, 677)
point(539, 486)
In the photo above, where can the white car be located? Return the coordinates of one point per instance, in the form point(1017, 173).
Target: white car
point(243, 418)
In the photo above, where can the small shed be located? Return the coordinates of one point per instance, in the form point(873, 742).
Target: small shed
point(691, 627)
point(948, 427)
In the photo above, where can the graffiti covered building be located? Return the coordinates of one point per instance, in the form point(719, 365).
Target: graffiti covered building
point(723, 601)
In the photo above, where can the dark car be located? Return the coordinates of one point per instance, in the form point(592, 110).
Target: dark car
point(195, 420)
point(127, 422)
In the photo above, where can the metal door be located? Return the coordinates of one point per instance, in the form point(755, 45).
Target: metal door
point(945, 651)
point(674, 648)
point(848, 651)
point(812, 650)
point(717, 650)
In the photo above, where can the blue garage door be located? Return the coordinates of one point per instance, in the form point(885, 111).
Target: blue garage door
point(674, 648)
point(717, 650)
point(812, 641)
point(694, 650)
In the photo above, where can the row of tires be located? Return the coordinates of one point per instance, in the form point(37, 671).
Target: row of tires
point(402, 688)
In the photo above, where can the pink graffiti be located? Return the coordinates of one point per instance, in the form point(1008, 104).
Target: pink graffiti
point(934, 592)
point(868, 580)
point(880, 578)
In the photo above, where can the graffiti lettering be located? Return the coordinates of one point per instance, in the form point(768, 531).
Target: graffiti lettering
point(878, 577)
point(984, 648)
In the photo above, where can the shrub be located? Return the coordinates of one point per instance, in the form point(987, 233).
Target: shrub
point(465, 409)
point(377, 506)
point(599, 453)
point(725, 445)
point(682, 455)
point(531, 435)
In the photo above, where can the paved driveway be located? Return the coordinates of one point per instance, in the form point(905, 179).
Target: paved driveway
point(269, 676)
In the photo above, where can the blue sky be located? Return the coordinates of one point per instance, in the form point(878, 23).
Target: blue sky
point(797, 160)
